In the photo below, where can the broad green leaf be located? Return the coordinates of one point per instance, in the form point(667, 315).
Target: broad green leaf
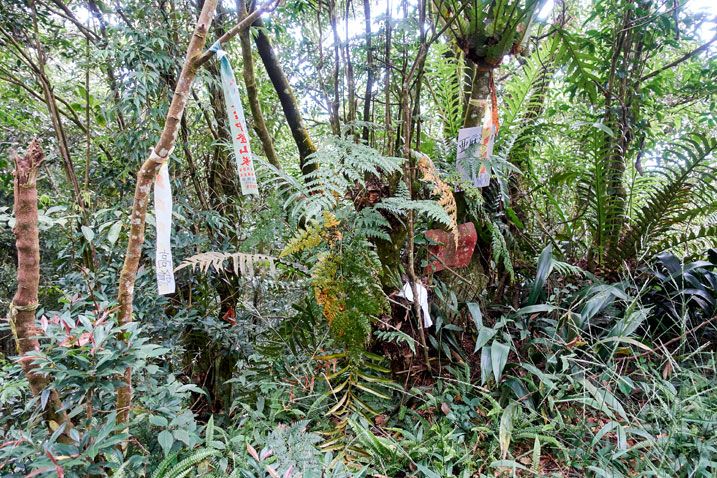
point(166, 440)
point(114, 232)
point(505, 429)
point(158, 420)
point(485, 334)
point(476, 314)
point(499, 357)
point(88, 233)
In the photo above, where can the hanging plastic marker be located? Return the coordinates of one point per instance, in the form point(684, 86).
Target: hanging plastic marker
point(163, 217)
point(484, 135)
point(237, 122)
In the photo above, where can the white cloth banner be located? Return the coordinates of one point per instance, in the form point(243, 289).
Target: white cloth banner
point(237, 122)
point(407, 293)
point(163, 217)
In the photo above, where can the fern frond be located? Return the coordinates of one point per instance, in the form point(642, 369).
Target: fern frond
point(687, 187)
point(431, 209)
point(185, 466)
point(442, 190)
point(371, 224)
point(242, 263)
point(164, 465)
point(341, 166)
point(581, 65)
point(397, 337)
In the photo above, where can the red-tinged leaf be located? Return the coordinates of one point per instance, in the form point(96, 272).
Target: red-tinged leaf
point(29, 357)
point(252, 452)
point(272, 472)
point(84, 339)
point(265, 454)
point(43, 323)
point(38, 471)
point(288, 472)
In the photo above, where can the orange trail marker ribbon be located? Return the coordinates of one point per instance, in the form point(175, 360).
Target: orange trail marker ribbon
point(237, 122)
point(163, 217)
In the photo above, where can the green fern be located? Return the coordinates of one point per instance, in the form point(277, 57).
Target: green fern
point(581, 64)
point(444, 78)
point(184, 467)
point(431, 209)
point(687, 190)
point(164, 465)
point(341, 168)
point(397, 337)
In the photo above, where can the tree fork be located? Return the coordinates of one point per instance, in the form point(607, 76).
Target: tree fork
point(145, 178)
point(148, 172)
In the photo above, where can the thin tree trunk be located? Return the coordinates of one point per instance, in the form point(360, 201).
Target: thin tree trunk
point(61, 137)
point(286, 97)
point(145, 178)
point(25, 302)
point(350, 80)
point(369, 67)
point(253, 93)
point(335, 104)
point(333, 115)
point(108, 68)
point(387, 85)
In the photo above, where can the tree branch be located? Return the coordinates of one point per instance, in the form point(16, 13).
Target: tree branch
point(683, 58)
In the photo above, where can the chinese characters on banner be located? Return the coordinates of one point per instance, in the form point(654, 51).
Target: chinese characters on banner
point(163, 216)
point(237, 122)
point(468, 154)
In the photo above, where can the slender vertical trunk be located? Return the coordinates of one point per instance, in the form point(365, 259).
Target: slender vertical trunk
point(408, 103)
point(333, 116)
point(286, 96)
point(69, 167)
point(350, 80)
point(368, 98)
point(114, 88)
point(145, 178)
point(25, 302)
point(387, 85)
point(253, 93)
point(336, 103)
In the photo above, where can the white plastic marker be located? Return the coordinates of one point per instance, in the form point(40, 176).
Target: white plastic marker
point(163, 217)
point(484, 137)
point(407, 293)
point(237, 122)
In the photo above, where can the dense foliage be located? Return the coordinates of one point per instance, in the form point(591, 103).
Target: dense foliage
point(577, 339)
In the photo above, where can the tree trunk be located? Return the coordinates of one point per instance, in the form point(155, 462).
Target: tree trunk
point(25, 302)
point(252, 92)
point(145, 179)
point(369, 67)
point(286, 97)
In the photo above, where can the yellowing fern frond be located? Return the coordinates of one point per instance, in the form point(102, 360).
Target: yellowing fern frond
point(304, 239)
point(442, 190)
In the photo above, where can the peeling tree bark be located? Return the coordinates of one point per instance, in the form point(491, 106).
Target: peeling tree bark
point(25, 302)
